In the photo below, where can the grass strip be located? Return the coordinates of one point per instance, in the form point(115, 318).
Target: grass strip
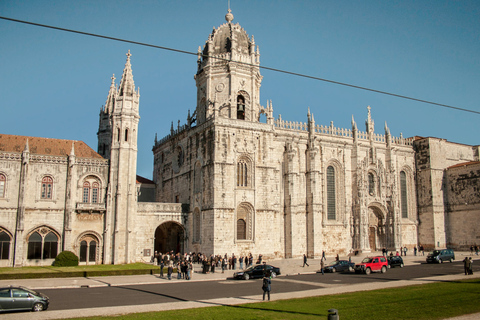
point(438, 300)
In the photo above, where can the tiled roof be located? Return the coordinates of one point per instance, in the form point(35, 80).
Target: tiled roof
point(144, 180)
point(46, 146)
point(464, 164)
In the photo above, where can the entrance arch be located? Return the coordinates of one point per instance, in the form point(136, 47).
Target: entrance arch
point(169, 236)
point(376, 228)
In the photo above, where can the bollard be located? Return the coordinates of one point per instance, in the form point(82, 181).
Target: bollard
point(332, 314)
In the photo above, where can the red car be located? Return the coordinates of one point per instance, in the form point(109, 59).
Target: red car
point(372, 264)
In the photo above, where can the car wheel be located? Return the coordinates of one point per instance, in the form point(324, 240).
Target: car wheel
point(273, 274)
point(334, 270)
point(350, 269)
point(37, 307)
point(451, 260)
point(246, 276)
point(401, 265)
point(368, 271)
point(389, 266)
point(384, 269)
point(441, 261)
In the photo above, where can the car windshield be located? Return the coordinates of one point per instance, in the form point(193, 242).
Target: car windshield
point(30, 291)
point(333, 263)
point(435, 253)
point(367, 260)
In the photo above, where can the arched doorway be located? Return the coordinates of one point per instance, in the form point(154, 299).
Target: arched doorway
point(169, 236)
point(376, 229)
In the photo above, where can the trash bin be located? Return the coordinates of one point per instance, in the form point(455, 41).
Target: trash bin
point(332, 314)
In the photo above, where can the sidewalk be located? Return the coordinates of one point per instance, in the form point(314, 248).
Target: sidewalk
point(287, 266)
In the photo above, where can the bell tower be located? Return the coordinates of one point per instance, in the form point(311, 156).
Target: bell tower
point(119, 121)
point(228, 76)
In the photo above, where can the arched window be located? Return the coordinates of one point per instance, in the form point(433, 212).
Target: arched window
point(240, 107)
point(4, 245)
point(91, 190)
point(35, 246)
point(371, 184)
point(95, 187)
point(403, 194)
point(331, 195)
point(242, 174)
point(180, 157)
point(241, 229)
point(88, 250)
point(3, 184)
point(83, 251)
point(86, 192)
point(50, 246)
point(196, 225)
point(42, 247)
point(47, 187)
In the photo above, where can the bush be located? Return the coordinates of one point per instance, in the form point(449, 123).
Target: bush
point(66, 259)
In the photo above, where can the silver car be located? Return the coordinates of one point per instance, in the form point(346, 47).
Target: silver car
point(21, 298)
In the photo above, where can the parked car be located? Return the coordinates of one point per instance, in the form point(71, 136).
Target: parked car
point(395, 261)
point(21, 298)
point(372, 264)
point(438, 256)
point(339, 266)
point(257, 271)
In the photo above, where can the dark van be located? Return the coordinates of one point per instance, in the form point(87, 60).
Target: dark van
point(438, 256)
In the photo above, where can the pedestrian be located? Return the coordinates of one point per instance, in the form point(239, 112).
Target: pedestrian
point(241, 262)
point(422, 249)
point(476, 250)
point(337, 258)
point(415, 251)
point(466, 265)
point(383, 252)
point(170, 270)
point(471, 249)
point(179, 270)
point(189, 270)
point(405, 251)
point(322, 266)
point(305, 260)
point(266, 286)
point(470, 267)
point(162, 265)
point(323, 255)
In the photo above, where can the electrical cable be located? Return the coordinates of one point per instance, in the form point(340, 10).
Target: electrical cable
point(243, 63)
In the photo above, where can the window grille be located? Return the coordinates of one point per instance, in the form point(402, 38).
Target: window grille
point(403, 194)
point(331, 209)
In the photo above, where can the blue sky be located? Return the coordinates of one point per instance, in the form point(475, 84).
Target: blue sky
point(53, 83)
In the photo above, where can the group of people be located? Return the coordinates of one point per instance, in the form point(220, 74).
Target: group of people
point(474, 248)
point(184, 263)
point(403, 251)
point(468, 265)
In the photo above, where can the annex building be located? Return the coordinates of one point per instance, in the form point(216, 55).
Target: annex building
point(233, 179)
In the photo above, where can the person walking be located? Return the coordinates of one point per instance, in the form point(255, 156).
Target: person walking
point(305, 260)
point(162, 265)
point(466, 265)
point(266, 286)
point(322, 266)
point(323, 255)
point(470, 267)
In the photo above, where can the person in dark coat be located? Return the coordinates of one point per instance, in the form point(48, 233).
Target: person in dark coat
point(266, 286)
point(305, 260)
point(466, 265)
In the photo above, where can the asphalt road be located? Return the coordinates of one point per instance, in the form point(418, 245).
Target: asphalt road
point(165, 292)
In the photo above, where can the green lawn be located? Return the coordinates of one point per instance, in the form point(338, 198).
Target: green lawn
point(430, 301)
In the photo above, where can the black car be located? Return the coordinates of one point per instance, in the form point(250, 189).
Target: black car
point(257, 271)
point(339, 266)
point(395, 261)
point(21, 298)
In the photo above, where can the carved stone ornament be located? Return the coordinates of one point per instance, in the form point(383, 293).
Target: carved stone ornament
point(220, 87)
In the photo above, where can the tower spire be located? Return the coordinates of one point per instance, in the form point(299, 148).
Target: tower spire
point(127, 86)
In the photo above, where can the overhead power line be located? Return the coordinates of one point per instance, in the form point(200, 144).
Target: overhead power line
point(244, 63)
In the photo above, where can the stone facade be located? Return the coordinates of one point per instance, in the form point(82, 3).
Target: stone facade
point(233, 179)
point(447, 189)
point(268, 186)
